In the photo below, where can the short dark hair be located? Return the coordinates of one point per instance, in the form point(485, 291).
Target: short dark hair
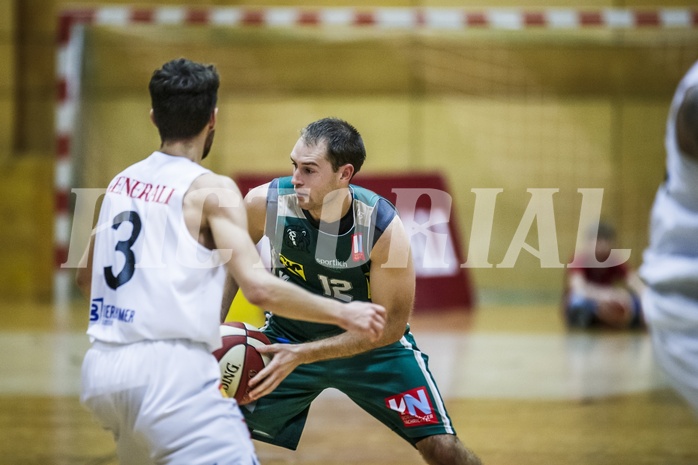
point(183, 96)
point(344, 143)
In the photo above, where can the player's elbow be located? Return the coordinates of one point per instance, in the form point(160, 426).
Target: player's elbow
point(257, 293)
point(393, 334)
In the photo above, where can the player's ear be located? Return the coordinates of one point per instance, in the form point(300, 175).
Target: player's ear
point(212, 120)
point(346, 172)
point(152, 118)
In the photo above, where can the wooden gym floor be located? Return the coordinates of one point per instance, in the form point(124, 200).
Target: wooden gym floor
point(520, 389)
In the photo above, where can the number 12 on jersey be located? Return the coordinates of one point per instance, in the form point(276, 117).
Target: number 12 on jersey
point(336, 288)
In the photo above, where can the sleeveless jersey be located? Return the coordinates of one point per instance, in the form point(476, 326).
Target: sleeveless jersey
point(151, 279)
point(323, 259)
point(670, 263)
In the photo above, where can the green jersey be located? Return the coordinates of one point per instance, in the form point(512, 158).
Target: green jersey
point(392, 383)
point(330, 259)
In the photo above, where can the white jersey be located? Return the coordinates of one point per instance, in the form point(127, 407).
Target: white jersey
point(670, 263)
point(151, 280)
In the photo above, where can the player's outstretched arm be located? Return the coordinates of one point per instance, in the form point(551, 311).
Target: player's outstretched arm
point(224, 214)
point(230, 288)
point(392, 286)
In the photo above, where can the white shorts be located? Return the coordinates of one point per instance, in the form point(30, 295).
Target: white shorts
point(676, 351)
point(161, 401)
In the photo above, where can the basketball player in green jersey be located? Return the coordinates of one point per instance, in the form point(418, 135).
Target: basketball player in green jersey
point(345, 242)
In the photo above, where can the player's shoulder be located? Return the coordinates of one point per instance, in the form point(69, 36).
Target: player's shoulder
point(256, 198)
point(258, 191)
point(276, 189)
point(282, 183)
point(209, 179)
point(382, 210)
point(365, 195)
point(371, 198)
point(212, 187)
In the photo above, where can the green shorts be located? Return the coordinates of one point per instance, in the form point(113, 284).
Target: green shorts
point(392, 383)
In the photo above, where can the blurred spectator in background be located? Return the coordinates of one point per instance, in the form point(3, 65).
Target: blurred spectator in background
point(601, 296)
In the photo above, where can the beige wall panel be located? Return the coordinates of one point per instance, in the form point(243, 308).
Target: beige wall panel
point(7, 77)
point(251, 136)
point(515, 145)
point(641, 168)
point(318, 61)
point(42, 212)
point(7, 15)
point(7, 120)
point(114, 134)
point(250, 60)
point(36, 53)
point(258, 135)
point(26, 230)
point(38, 16)
point(7, 39)
point(510, 110)
point(7, 70)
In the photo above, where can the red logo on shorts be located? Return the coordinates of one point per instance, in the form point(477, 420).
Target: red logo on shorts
point(414, 407)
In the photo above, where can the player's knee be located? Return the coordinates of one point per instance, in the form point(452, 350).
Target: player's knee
point(446, 449)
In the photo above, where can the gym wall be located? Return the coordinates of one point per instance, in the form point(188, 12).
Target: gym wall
point(509, 110)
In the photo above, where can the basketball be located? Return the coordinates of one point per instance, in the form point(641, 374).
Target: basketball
point(238, 358)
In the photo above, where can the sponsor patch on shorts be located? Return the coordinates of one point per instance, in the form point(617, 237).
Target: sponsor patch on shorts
point(414, 407)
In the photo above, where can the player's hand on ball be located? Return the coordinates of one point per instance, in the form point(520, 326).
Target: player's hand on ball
point(238, 358)
point(365, 318)
point(284, 359)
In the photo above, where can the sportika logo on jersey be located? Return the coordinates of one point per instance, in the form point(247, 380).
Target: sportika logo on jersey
point(414, 407)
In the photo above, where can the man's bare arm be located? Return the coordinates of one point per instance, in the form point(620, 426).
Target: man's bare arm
point(229, 290)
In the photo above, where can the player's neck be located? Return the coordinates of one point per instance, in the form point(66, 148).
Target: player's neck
point(333, 209)
point(186, 149)
point(192, 148)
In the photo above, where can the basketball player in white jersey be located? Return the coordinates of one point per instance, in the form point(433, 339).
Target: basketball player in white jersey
point(670, 263)
point(168, 232)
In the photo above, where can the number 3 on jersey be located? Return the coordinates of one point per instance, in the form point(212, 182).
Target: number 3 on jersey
point(124, 247)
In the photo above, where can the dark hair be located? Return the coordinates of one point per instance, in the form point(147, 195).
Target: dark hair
point(183, 96)
point(344, 143)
